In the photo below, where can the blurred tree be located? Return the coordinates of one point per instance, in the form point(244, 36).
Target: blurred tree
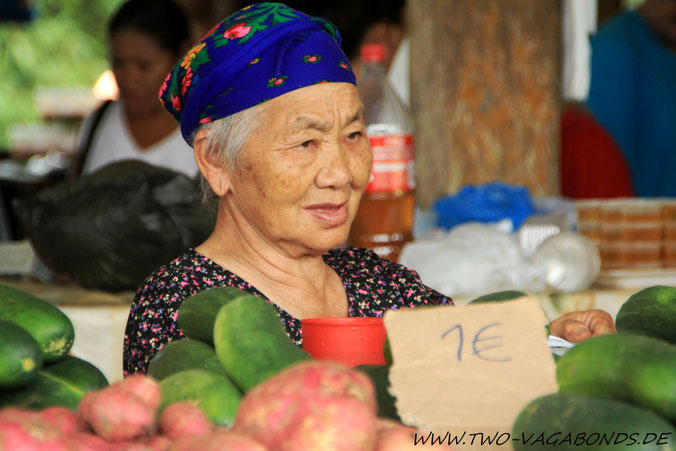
point(63, 46)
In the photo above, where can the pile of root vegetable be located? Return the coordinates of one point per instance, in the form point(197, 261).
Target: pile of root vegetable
point(308, 406)
point(236, 383)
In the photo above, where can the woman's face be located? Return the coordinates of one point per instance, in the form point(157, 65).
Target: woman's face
point(140, 67)
point(303, 172)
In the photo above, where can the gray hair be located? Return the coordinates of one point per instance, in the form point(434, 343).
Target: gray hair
point(225, 140)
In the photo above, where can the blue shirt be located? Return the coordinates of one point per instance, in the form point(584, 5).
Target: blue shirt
point(633, 94)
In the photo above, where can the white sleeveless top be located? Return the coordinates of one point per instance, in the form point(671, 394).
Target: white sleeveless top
point(113, 142)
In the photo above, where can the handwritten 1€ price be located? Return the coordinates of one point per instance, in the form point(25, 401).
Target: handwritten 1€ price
point(480, 344)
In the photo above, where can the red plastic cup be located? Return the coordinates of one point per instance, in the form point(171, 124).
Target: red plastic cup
point(350, 341)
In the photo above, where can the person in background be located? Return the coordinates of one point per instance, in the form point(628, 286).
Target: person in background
point(205, 14)
point(269, 102)
point(633, 92)
point(146, 37)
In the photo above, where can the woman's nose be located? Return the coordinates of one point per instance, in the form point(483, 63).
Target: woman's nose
point(335, 171)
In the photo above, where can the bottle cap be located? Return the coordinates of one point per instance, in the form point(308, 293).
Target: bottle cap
point(373, 53)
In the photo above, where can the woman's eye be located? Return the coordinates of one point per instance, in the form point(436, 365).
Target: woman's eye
point(355, 135)
point(307, 144)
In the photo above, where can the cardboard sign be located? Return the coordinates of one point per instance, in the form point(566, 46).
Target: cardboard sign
point(469, 369)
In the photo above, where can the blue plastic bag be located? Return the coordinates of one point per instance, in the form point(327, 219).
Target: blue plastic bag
point(488, 203)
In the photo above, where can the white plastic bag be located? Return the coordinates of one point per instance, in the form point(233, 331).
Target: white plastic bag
point(471, 260)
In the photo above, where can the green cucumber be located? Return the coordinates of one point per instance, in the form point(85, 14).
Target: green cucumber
point(625, 367)
point(563, 422)
point(20, 356)
point(499, 296)
point(180, 355)
point(215, 394)
point(380, 376)
point(502, 296)
point(651, 311)
point(251, 342)
point(197, 313)
point(50, 327)
point(62, 383)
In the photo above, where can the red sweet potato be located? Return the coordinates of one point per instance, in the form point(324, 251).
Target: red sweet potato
point(145, 387)
point(183, 418)
point(31, 434)
point(160, 442)
point(67, 421)
point(393, 436)
point(116, 414)
point(311, 405)
point(87, 441)
point(320, 379)
point(220, 439)
point(147, 444)
point(185, 443)
point(336, 423)
point(18, 414)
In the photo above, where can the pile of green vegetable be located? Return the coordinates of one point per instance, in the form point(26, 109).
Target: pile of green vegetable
point(615, 390)
point(235, 341)
point(36, 371)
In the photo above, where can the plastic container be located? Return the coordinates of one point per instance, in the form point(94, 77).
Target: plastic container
point(350, 341)
point(571, 261)
point(384, 220)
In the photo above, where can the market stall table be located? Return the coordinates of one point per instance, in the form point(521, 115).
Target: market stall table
point(99, 317)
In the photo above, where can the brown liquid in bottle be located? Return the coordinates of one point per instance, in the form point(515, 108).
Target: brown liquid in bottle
point(384, 223)
point(384, 220)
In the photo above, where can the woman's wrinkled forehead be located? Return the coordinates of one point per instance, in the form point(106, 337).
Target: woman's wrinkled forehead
point(323, 108)
point(259, 53)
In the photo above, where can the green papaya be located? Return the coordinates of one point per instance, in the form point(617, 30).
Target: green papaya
point(20, 356)
point(62, 383)
point(499, 296)
point(251, 342)
point(636, 369)
point(564, 421)
point(50, 327)
point(380, 376)
point(213, 393)
point(651, 311)
point(197, 313)
point(182, 355)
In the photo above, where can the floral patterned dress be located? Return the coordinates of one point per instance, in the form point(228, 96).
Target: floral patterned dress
point(373, 286)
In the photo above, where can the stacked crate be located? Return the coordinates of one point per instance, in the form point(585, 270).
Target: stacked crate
point(631, 233)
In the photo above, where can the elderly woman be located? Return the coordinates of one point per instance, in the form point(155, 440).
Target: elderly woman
point(269, 103)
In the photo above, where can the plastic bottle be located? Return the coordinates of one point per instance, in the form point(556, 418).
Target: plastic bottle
point(384, 221)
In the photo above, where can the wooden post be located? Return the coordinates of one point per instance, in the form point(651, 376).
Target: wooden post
point(485, 94)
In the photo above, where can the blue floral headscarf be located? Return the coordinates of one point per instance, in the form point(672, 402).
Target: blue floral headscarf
point(258, 53)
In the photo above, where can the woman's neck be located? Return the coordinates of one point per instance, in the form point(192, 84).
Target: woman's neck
point(297, 281)
point(150, 127)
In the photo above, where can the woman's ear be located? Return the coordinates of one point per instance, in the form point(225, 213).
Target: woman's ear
point(213, 171)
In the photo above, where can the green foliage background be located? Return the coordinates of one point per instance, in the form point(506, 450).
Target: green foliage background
point(64, 46)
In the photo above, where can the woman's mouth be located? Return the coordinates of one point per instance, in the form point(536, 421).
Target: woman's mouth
point(332, 215)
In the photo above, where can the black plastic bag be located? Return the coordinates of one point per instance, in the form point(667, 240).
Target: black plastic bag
point(110, 229)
